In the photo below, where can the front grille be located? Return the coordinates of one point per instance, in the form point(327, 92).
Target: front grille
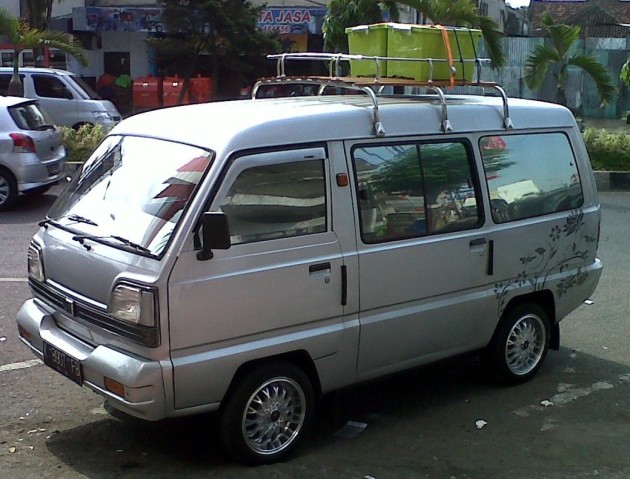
point(83, 313)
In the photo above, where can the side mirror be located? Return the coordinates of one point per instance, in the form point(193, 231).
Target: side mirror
point(215, 234)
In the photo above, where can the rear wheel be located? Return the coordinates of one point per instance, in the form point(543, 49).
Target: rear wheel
point(267, 414)
point(521, 343)
point(8, 190)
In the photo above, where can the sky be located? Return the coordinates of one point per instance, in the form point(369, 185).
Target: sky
point(517, 3)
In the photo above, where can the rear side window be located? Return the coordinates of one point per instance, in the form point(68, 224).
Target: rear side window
point(277, 201)
point(530, 175)
point(415, 189)
point(28, 116)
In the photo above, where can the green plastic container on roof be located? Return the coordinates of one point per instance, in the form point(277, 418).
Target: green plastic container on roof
point(427, 41)
point(370, 40)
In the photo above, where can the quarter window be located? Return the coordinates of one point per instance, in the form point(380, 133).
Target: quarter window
point(530, 175)
point(277, 201)
point(415, 189)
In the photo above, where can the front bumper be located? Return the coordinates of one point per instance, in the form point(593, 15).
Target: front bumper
point(143, 381)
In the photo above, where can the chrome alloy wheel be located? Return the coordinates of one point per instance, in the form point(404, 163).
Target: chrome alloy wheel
point(525, 344)
point(274, 416)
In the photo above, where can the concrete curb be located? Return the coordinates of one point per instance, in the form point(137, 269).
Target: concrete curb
point(612, 180)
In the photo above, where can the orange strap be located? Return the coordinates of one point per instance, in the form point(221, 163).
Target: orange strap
point(449, 53)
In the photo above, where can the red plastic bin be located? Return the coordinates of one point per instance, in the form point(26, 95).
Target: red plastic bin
point(147, 93)
point(200, 89)
point(171, 89)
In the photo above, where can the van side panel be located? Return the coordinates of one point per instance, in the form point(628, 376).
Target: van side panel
point(547, 219)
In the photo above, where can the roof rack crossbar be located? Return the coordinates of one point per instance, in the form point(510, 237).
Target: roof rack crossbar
point(324, 83)
point(368, 85)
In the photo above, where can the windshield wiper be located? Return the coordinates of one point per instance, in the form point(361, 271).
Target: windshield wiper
point(72, 217)
point(81, 239)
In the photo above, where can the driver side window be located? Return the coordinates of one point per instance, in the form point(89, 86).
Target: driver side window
point(277, 201)
point(50, 87)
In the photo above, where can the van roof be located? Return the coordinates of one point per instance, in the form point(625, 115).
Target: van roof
point(242, 124)
point(55, 71)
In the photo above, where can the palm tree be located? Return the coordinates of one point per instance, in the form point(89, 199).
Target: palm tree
point(561, 55)
point(462, 13)
point(350, 13)
point(22, 37)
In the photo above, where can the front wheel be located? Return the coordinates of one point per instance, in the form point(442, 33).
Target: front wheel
point(520, 344)
point(267, 414)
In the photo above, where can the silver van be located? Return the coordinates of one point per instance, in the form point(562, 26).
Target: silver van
point(67, 99)
point(248, 256)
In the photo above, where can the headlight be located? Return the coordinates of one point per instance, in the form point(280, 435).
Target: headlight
point(35, 265)
point(133, 304)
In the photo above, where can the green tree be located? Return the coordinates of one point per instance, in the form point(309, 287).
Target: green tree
point(624, 74)
point(560, 55)
point(350, 13)
point(223, 32)
point(22, 37)
point(463, 13)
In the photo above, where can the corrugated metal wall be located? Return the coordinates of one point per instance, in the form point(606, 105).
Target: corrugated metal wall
point(581, 93)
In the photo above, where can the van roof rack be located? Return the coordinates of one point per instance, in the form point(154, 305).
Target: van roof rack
point(374, 86)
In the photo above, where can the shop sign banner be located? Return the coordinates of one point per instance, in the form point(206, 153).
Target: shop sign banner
point(292, 20)
point(109, 19)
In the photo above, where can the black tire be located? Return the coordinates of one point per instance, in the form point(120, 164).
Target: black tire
point(267, 414)
point(520, 343)
point(40, 190)
point(8, 189)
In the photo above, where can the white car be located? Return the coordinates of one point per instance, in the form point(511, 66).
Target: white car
point(32, 155)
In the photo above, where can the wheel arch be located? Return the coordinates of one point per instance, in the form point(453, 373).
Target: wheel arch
point(547, 302)
point(299, 358)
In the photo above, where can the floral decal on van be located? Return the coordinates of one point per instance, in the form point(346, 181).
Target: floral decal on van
point(568, 244)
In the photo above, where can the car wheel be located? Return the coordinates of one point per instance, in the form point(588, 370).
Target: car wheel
point(520, 344)
point(267, 414)
point(8, 190)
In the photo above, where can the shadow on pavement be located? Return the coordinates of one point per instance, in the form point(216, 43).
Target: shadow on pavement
point(424, 423)
point(28, 209)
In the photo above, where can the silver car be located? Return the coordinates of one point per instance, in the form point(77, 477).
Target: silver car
point(32, 155)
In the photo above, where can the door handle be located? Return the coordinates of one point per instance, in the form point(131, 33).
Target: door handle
point(316, 268)
point(478, 246)
point(478, 242)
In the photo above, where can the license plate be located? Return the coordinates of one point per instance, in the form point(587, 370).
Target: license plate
point(54, 170)
point(62, 363)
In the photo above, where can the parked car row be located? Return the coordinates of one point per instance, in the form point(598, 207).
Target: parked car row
point(31, 152)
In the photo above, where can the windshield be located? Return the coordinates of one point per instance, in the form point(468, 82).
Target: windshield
point(132, 188)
